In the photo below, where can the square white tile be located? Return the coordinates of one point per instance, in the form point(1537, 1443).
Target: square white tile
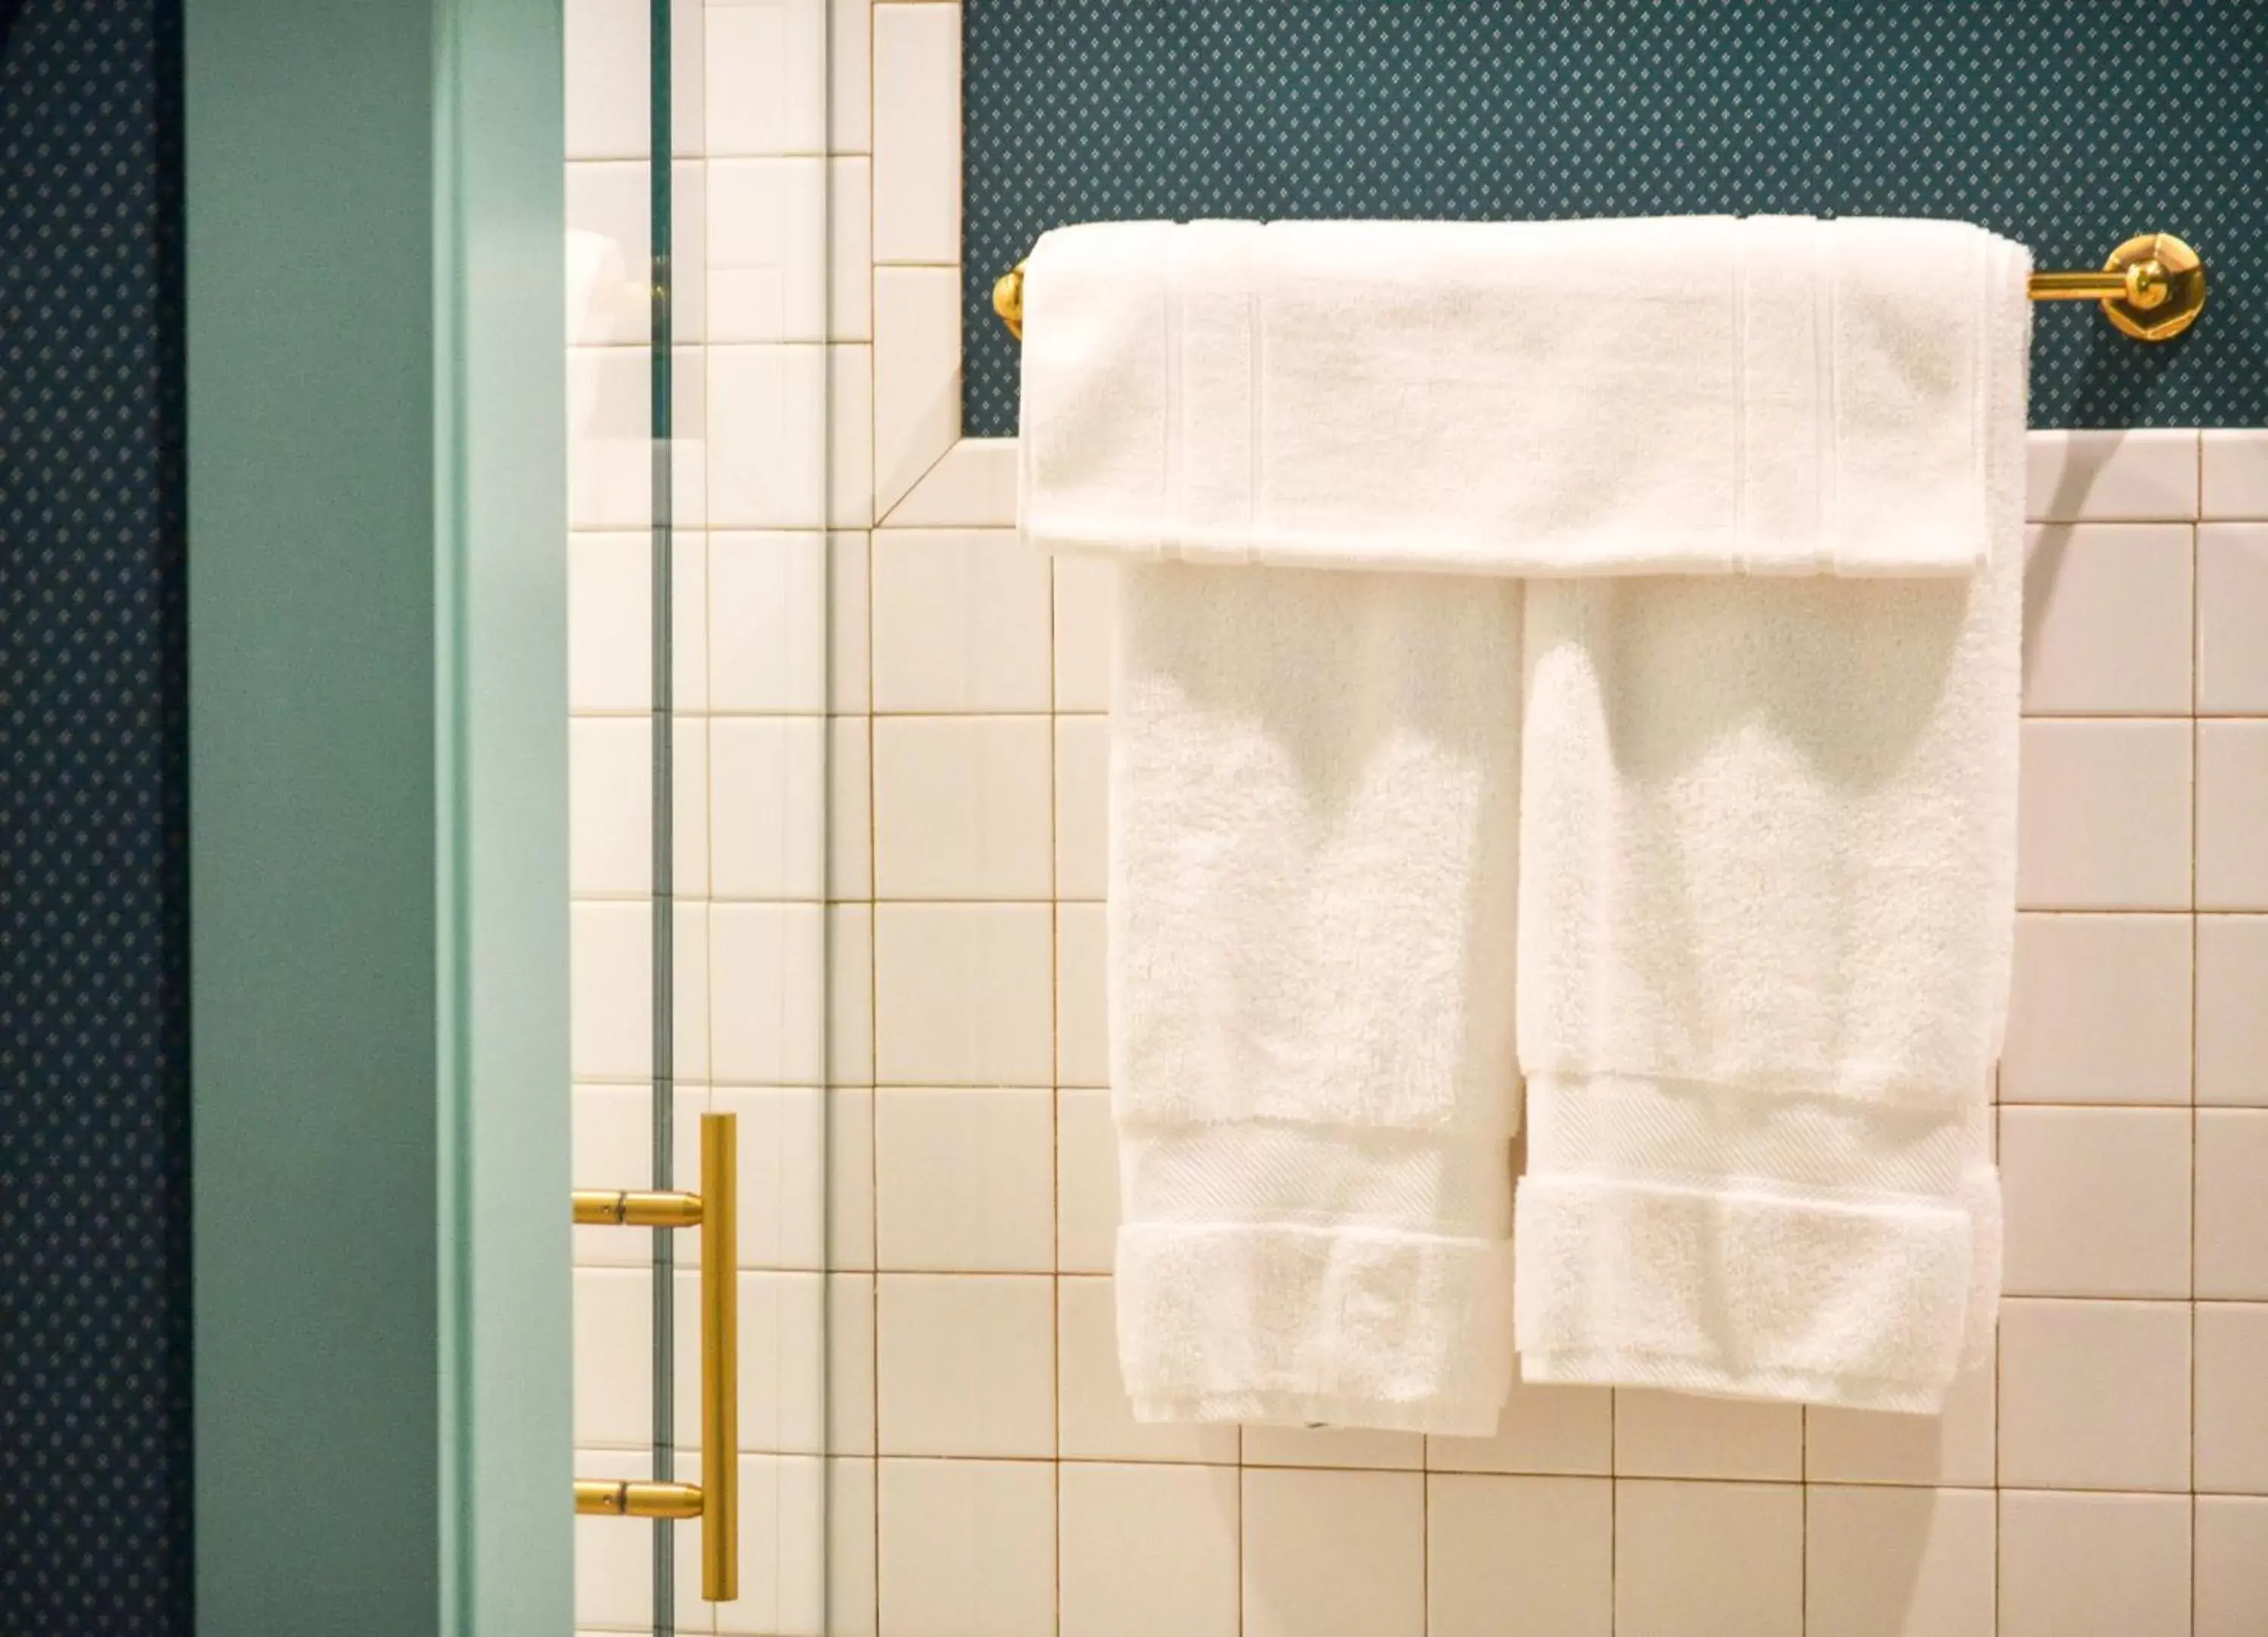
point(2099, 1010)
point(767, 272)
point(2107, 618)
point(1877, 1447)
point(1097, 1421)
point(2232, 1397)
point(2232, 1203)
point(2232, 1565)
point(1539, 1551)
point(1149, 1549)
point(2098, 1201)
point(769, 633)
point(769, 452)
point(967, 1546)
point(2235, 472)
point(964, 1180)
point(769, 1013)
point(962, 807)
point(1543, 1429)
point(768, 812)
point(2061, 1363)
point(1085, 593)
point(1678, 1435)
point(2107, 476)
point(610, 622)
point(1882, 1562)
point(966, 1364)
point(1086, 1182)
point(850, 1045)
point(2232, 815)
point(784, 1399)
point(2232, 1010)
point(766, 82)
point(852, 1603)
point(964, 995)
point(784, 1159)
point(784, 1549)
point(1702, 1559)
point(2094, 1565)
point(917, 373)
point(960, 622)
point(1334, 1554)
point(2231, 637)
point(1345, 1447)
point(2103, 816)
point(1082, 1010)
point(1082, 806)
point(917, 133)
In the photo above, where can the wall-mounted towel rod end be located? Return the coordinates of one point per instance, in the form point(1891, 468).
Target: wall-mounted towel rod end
point(2152, 287)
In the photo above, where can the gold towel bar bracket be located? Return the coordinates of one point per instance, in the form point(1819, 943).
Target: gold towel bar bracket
point(2152, 287)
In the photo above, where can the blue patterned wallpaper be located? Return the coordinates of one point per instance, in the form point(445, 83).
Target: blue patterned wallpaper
point(94, 1290)
point(2068, 124)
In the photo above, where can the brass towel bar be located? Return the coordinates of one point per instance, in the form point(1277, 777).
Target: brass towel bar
point(2152, 287)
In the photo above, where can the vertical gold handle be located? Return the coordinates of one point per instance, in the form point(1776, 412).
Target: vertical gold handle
point(716, 1500)
point(720, 1357)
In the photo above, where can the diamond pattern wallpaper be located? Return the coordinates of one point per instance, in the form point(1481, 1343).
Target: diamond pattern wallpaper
point(2069, 124)
point(94, 1287)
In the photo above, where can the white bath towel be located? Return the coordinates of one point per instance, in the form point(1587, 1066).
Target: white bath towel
point(1767, 877)
point(1314, 808)
point(1688, 395)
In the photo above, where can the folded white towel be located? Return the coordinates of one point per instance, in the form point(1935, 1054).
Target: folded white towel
point(1767, 879)
point(1687, 395)
point(1314, 808)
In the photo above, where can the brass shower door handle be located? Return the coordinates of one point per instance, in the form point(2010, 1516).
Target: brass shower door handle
point(716, 1500)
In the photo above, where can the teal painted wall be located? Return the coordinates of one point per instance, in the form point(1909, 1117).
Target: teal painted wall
point(2068, 124)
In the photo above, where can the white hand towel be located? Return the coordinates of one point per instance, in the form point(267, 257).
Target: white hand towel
point(1686, 395)
point(1767, 897)
point(1314, 808)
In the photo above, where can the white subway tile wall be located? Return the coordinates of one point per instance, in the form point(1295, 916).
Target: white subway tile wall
point(891, 752)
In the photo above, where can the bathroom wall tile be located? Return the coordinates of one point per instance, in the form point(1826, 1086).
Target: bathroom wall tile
point(610, 622)
point(1097, 1422)
point(851, 1184)
point(1082, 1012)
point(784, 1156)
point(769, 451)
point(610, 438)
point(769, 781)
point(1086, 1183)
point(2232, 1565)
point(960, 622)
point(2232, 1396)
point(2232, 1010)
point(1151, 1549)
point(2235, 461)
point(851, 1610)
point(2094, 1566)
point(2099, 1010)
point(967, 1546)
point(769, 963)
point(1334, 1554)
point(609, 806)
point(917, 373)
point(2231, 599)
point(770, 631)
point(613, 1148)
point(2147, 474)
point(850, 994)
point(963, 995)
point(784, 1399)
point(2107, 618)
point(2232, 1203)
point(964, 1180)
point(1542, 1546)
point(1334, 1447)
point(611, 202)
point(2097, 1200)
point(613, 1564)
point(611, 1016)
point(1699, 1559)
point(1085, 592)
point(606, 80)
point(766, 82)
point(849, 657)
point(972, 486)
point(2232, 815)
point(769, 276)
point(851, 250)
point(614, 1358)
point(917, 133)
point(1082, 805)
point(966, 1364)
point(1543, 1429)
point(851, 60)
point(849, 808)
point(2103, 816)
point(784, 1549)
point(961, 807)
point(1676, 1435)
point(1899, 1562)
point(2061, 1363)
point(850, 1332)
point(1877, 1447)
point(850, 436)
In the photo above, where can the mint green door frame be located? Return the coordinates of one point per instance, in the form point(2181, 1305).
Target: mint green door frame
point(378, 733)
